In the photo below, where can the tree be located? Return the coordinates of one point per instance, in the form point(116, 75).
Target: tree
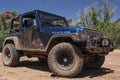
point(2, 21)
point(89, 17)
point(100, 19)
point(5, 19)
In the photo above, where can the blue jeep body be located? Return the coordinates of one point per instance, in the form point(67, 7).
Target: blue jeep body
point(88, 40)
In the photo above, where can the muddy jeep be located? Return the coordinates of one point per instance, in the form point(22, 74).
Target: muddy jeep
point(48, 37)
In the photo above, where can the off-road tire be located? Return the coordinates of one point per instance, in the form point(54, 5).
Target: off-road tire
point(9, 55)
point(75, 59)
point(97, 63)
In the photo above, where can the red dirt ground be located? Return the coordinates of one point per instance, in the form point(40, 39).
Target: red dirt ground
point(31, 69)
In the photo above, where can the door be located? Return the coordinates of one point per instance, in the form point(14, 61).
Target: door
point(30, 34)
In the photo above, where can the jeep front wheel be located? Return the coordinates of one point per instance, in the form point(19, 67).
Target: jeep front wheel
point(65, 60)
point(9, 55)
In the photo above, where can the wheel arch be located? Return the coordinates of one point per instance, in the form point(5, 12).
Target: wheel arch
point(13, 40)
point(58, 39)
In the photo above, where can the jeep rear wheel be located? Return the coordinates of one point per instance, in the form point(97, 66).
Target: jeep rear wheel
point(96, 63)
point(9, 55)
point(65, 60)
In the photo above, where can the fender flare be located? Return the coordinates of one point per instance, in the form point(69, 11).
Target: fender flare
point(57, 36)
point(14, 40)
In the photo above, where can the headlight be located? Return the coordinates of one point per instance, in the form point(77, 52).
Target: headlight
point(105, 42)
point(75, 36)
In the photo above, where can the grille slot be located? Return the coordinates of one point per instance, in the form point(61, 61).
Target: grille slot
point(92, 34)
point(93, 38)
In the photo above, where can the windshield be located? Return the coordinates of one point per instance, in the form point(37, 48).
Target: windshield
point(51, 20)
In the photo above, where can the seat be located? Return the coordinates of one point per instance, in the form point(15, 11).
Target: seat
point(28, 23)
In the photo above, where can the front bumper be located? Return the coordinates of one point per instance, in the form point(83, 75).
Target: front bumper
point(99, 50)
point(98, 47)
point(97, 43)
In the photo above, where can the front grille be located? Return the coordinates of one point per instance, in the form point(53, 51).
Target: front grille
point(93, 34)
point(93, 37)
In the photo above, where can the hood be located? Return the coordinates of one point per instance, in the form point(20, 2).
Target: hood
point(62, 30)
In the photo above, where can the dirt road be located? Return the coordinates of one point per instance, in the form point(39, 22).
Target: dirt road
point(31, 69)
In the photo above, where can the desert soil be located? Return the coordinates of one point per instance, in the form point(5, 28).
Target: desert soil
point(31, 69)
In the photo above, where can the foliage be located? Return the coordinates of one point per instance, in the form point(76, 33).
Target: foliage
point(5, 21)
point(2, 33)
point(89, 17)
point(100, 19)
point(111, 30)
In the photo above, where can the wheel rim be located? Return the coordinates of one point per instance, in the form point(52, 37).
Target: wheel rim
point(64, 60)
point(7, 55)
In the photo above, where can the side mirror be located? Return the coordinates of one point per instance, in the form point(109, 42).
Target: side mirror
point(69, 20)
